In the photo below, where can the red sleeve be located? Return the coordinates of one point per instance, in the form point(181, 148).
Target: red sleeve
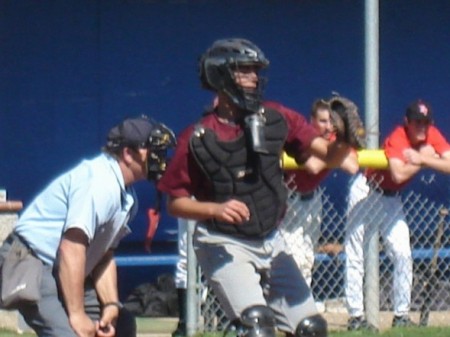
point(176, 181)
point(183, 176)
point(300, 132)
point(396, 143)
point(437, 140)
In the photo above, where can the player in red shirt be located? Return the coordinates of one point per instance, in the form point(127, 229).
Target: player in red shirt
point(374, 200)
point(229, 162)
point(301, 227)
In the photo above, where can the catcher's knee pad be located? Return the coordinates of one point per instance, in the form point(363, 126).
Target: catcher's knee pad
point(312, 326)
point(258, 321)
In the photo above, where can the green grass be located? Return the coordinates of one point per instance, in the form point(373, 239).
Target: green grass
point(161, 326)
point(5, 333)
point(398, 332)
point(156, 325)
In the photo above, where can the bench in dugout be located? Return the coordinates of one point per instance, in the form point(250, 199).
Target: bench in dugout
point(137, 268)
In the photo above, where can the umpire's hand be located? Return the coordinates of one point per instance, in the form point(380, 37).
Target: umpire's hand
point(82, 325)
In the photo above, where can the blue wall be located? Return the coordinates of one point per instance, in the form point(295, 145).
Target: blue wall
point(69, 70)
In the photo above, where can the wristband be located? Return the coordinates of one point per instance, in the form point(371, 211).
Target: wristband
point(117, 304)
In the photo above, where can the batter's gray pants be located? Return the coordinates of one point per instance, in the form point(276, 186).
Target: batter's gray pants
point(247, 272)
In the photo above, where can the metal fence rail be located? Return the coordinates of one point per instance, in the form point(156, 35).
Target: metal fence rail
point(424, 204)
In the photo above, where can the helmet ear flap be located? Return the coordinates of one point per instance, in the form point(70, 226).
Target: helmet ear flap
point(204, 80)
point(214, 76)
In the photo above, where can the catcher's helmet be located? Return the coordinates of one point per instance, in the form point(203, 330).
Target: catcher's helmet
point(216, 70)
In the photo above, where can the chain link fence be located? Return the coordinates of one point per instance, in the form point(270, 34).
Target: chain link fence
point(424, 206)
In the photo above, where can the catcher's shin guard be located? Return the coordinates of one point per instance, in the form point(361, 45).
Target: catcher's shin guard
point(312, 326)
point(257, 321)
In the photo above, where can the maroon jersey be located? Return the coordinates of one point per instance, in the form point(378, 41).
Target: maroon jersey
point(304, 181)
point(184, 178)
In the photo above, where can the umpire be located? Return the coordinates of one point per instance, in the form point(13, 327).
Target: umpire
point(229, 161)
point(74, 225)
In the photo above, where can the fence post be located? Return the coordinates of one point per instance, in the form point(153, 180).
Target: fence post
point(192, 314)
point(372, 284)
point(371, 259)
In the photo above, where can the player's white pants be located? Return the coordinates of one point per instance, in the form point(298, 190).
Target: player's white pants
point(247, 272)
point(181, 268)
point(301, 230)
point(367, 209)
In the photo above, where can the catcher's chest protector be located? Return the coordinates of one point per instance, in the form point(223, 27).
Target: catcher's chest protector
point(239, 173)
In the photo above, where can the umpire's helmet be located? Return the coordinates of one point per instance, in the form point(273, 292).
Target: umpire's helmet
point(143, 132)
point(216, 70)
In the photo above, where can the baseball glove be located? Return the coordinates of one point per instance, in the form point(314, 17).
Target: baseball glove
point(347, 122)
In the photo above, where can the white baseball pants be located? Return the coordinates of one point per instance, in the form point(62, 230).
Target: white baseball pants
point(181, 268)
point(301, 230)
point(369, 210)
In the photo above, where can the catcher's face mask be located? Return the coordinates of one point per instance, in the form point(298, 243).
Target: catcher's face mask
point(160, 141)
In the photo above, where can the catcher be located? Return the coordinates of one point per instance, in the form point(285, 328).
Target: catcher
point(229, 162)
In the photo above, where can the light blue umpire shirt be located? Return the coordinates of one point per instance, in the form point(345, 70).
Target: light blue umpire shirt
point(92, 197)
